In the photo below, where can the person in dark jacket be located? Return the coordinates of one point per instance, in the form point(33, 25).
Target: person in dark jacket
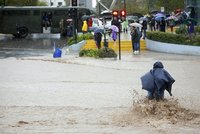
point(135, 38)
point(98, 38)
point(191, 29)
point(162, 25)
point(157, 81)
point(144, 28)
point(152, 24)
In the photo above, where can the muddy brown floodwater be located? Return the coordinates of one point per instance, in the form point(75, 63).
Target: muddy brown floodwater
point(39, 94)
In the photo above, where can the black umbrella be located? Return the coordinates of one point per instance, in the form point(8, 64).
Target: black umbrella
point(154, 11)
point(190, 6)
point(190, 20)
point(99, 30)
point(85, 17)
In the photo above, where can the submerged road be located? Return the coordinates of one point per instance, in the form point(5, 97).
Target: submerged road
point(39, 94)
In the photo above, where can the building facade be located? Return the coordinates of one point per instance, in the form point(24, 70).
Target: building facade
point(82, 3)
point(196, 5)
point(55, 2)
point(85, 3)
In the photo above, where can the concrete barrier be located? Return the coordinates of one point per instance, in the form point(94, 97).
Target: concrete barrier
point(172, 48)
point(75, 48)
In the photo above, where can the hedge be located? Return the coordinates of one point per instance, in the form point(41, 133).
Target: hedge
point(98, 53)
point(173, 38)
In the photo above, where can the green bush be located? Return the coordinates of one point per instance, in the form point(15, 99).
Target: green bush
point(196, 41)
point(87, 36)
point(182, 30)
point(101, 53)
point(107, 53)
point(173, 38)
point(88, 53)
point(197, 29)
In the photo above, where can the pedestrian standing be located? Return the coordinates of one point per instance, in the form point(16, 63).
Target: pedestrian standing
point(125, 26)
point(144, 28)
point(114, 36)
point(171, 24)
point(191, 30)
point(152, 24)
point(162, 24)
point(84, 27)
point(135, 38)
point(98, 38)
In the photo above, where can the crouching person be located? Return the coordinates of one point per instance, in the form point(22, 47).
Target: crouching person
point(156, 81)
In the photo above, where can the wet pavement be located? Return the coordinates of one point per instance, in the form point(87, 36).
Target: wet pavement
point(10, 47)
point(35, 45)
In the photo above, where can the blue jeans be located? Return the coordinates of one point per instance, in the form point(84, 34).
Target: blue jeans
point(136, 46)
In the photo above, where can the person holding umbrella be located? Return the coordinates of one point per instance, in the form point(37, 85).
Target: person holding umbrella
point(152, 24)
point(98, 37)
point(115, 30)
point(191, 29)
point(162, 24)
point(135, 38)
point(144, 28)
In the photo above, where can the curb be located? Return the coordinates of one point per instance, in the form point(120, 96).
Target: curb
point(172, 48)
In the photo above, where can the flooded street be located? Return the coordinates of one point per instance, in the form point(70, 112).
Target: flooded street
point(40, 94)
point(10, 47)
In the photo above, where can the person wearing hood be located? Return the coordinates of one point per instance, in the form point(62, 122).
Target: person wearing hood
point(84, 27)
point(156, 81)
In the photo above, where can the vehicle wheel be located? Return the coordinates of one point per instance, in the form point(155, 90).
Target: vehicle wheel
point(23, 32)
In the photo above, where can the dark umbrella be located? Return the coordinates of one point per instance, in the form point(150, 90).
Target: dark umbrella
point(190, 6)
point(189, 20)
point(159, 18)
point(154, 11)
point(148, 82)
point(98, 30)
point(85, 17)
